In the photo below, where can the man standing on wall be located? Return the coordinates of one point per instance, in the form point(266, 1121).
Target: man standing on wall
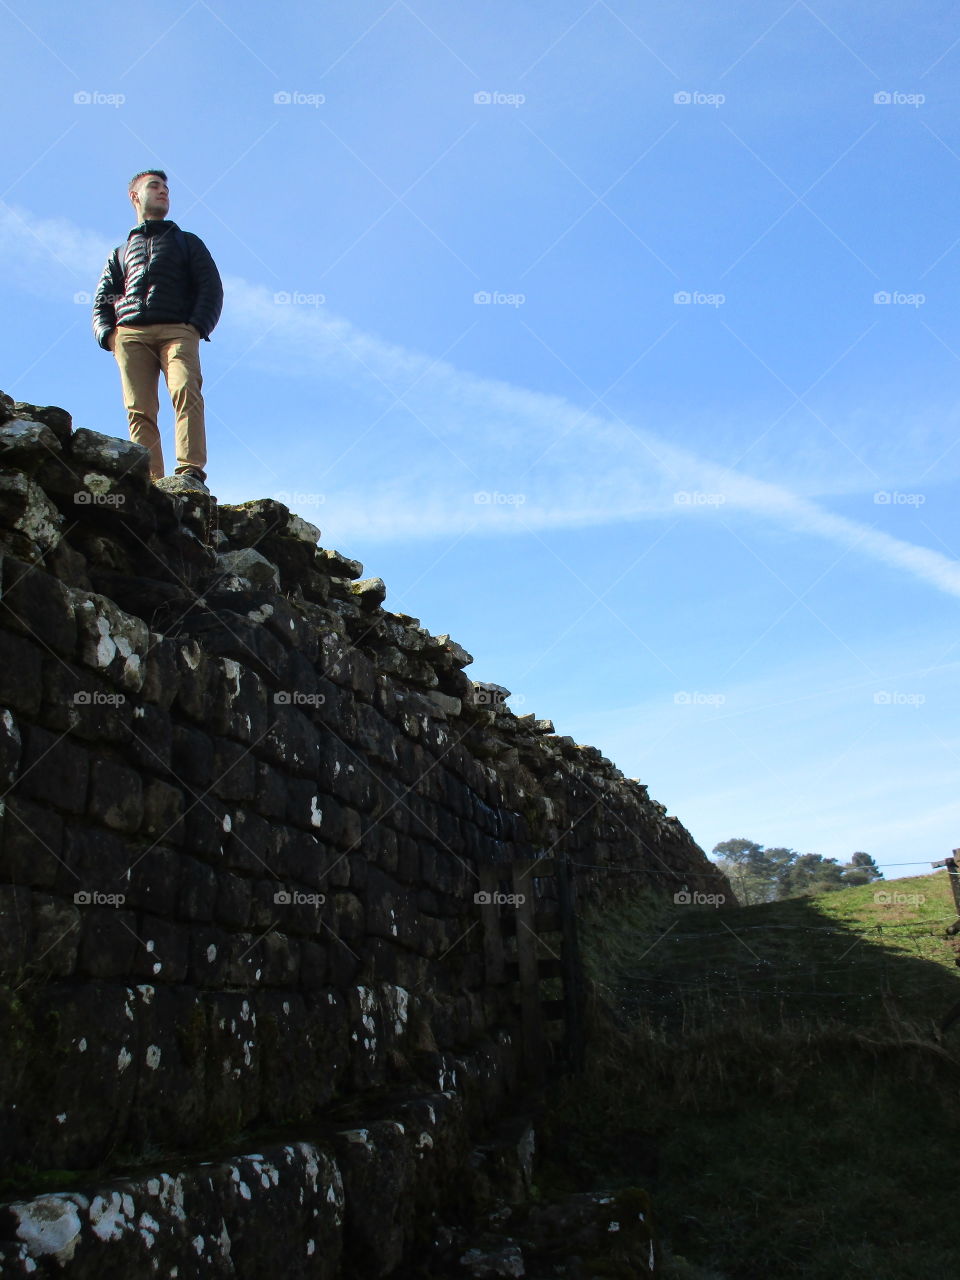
point(159, 294)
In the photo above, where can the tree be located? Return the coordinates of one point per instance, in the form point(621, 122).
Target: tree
point(812, 873)
point(742, 862)
point(861, 869)
point(764, 875)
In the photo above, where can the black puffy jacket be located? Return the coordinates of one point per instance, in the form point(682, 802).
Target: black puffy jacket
point(162, 275)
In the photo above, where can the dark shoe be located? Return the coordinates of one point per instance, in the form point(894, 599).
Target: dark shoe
point(193, 479)
point(182, 482)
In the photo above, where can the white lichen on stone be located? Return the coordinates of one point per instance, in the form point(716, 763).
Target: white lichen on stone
point(211, 956)
point(191, 656)
point(316, 813)
point(153, 1056)
point(361, 1136)
point(397, 1002)
point(49, 1226)
point(124, 1058)
point(232, 672)
point(149, 1229)
point(108, 1219)
point(368, 1006)
point(224, 1240)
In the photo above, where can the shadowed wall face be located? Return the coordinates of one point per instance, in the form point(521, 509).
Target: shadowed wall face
point(245, 818)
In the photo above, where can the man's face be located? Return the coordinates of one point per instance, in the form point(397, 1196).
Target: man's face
point(151, 197)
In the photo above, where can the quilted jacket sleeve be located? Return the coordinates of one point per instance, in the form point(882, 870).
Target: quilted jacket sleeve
point(207, 288)
point(109, 288)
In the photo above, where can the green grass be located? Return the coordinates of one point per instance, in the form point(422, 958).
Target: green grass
point(775, 1076)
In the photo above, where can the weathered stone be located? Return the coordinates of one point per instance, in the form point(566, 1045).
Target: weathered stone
point(337, 565)
point(56, 935)
point(111, 456)
point(32, 519)
point(58, 420)
point(443, 705)
point(256, 744)
point(297, 527)
point(36, 605)
point(249, 565)
point(23, 443)
point(492, 697)
point(371, 592)
point(111, 641)
point(456, 652)
point(53, 770)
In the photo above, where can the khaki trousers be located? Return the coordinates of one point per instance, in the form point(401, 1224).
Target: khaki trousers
point(142, 353)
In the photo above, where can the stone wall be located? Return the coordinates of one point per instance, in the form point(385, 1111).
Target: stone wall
point(243, 812)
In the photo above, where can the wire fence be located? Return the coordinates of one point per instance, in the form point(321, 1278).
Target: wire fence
point(786, 971)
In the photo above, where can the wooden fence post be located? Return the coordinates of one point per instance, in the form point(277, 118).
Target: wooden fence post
point(953, 872)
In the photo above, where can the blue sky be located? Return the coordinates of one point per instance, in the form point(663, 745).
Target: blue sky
point(685, 482)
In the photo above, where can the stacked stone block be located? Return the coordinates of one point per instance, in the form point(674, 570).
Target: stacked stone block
point(243, 808)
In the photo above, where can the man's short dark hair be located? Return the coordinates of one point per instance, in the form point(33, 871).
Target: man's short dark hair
point(145, 173)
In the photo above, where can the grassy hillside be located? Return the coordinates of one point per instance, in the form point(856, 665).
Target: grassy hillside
point(776, 1078)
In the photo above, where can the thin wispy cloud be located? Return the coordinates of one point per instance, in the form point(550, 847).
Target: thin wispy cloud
point(500, 458)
